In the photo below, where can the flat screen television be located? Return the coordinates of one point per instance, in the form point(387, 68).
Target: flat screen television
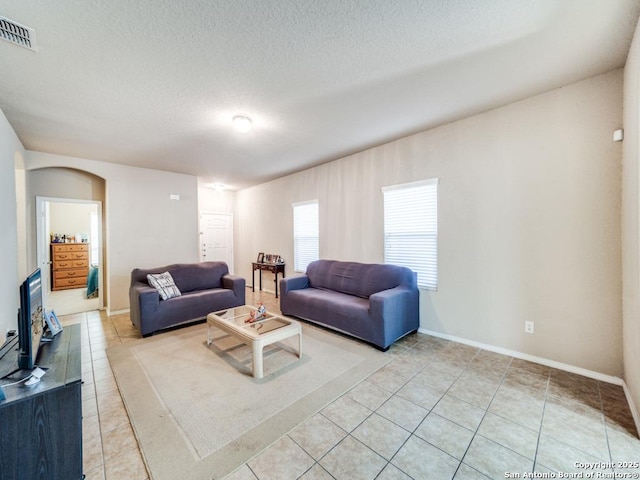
point(30, 320)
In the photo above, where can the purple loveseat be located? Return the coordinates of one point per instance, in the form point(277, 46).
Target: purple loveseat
point(375, 303)
point(205, 287)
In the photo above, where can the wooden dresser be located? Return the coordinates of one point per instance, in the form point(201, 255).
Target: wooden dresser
point(70, 265)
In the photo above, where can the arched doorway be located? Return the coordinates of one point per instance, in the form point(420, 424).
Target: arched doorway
point(69, 203)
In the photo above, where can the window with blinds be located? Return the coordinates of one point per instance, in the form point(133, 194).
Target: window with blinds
point(306, 235)
point(411, 229)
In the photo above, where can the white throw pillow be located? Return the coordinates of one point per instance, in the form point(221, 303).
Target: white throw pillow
point(164, 284)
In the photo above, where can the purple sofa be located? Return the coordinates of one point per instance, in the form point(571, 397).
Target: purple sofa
point(205, 287)
point(375, 303)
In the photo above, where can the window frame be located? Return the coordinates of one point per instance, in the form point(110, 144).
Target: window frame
point(307, 257)
point(425, 264)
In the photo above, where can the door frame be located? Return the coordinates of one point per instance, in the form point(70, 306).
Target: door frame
point(201, 231)
point(43, 241)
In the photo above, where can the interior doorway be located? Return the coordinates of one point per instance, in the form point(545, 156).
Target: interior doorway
point(69, 254)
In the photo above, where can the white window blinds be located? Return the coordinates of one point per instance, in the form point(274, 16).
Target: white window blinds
point(411, 229)
point(306, 242)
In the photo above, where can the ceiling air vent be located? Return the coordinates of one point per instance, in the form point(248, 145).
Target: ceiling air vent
point(19, 34)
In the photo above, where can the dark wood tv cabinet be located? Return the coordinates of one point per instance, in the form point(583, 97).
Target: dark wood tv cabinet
point(41, 425)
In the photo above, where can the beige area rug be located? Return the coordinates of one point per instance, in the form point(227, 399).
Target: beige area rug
point(199, 414)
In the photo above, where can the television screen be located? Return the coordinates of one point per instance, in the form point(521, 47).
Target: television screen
point(30, 320)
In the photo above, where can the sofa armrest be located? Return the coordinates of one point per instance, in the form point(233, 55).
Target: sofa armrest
point(399, 311)
point(293, 283)
point(143, 301)
point(237, 284)
point(288, 285)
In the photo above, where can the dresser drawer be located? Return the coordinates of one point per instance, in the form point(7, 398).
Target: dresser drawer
point(63, 256)
point(77, 282)
point(80, 272)
point(69, 247)
point(66, 264)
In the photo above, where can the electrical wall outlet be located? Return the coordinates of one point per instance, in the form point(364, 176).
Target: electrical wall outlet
point(528, 327)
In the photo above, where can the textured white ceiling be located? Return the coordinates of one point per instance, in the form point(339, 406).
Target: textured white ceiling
point(155, 83)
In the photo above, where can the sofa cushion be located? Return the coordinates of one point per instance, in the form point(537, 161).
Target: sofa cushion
point(164, 284)
point(318, 303)
point(199, 276)
point(197, 304)
point(359, 279)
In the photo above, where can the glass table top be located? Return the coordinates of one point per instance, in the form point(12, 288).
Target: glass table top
point(247, 317)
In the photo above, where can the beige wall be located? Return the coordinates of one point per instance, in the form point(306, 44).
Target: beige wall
point(214, 201)
point(631, 223)
point(10, 151)
point(21, 216)
point(71, 218)
point(143, 227)
point(529, 224)
point(61, 183)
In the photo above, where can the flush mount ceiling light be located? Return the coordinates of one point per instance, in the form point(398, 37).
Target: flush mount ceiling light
point(242, 124)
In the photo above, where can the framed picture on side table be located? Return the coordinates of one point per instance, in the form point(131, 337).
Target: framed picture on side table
point(52, 322)
point(260, 257)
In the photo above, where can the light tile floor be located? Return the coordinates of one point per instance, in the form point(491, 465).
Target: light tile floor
point(439, 410)
point(65, 302)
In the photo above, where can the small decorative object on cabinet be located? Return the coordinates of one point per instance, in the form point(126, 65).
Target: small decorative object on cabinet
point(70, 265)
point(52, 322)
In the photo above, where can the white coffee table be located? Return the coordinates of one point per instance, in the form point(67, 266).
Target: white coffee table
point(270, 329)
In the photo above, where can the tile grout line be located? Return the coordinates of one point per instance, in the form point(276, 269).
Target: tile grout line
point(544, 408)
point(486, 411)
point(104, 465)
point(349, 433)
point(604, 422)
point(85, 323)
point(412, 432)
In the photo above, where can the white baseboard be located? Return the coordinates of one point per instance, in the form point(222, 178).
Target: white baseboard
point(632, 406)
point(266, 290)
point(532, 358)
point(117, 312)
point(549, 363)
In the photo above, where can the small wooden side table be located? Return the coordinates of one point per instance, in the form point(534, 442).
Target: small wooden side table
point(274, 268)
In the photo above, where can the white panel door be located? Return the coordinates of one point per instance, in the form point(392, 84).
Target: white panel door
point(43, 259)
point(216, 238)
